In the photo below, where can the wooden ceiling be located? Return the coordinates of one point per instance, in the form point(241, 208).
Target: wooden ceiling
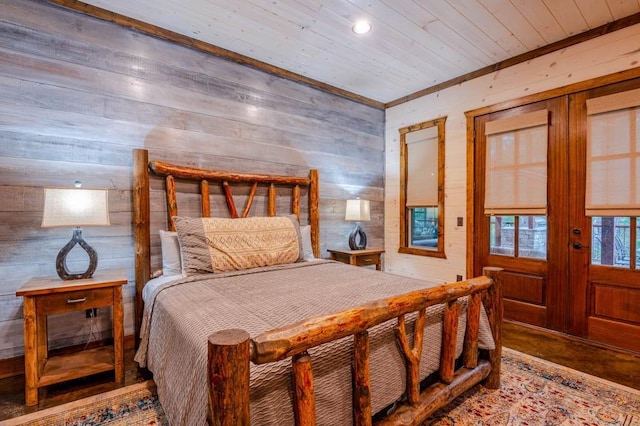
point(414, 44)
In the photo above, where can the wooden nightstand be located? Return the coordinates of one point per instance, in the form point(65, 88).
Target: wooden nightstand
point(46, 296)
point(358, 257)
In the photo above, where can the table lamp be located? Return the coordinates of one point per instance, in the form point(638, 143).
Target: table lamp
point(359, 211)
point(75, 207)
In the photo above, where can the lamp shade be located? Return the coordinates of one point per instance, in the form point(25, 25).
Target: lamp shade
point(75, 207)
point(358, 210)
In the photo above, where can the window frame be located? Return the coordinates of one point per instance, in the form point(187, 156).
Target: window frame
point(405, 214)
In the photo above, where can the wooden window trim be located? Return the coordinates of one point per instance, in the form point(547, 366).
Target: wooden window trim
point(404, 225)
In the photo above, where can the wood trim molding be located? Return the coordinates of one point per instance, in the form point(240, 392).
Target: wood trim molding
point(471, 225)
point(10, 367)
point(156, 31)
point(569, 339)
point(527, 56)
point(560, 91)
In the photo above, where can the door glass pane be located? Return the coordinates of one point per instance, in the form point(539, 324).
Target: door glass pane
point(424, 227)
point(532, 237)
point(501, 236)
point(638, 234)
point(611, 241)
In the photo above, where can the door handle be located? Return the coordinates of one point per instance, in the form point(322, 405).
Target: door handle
point(579, 246)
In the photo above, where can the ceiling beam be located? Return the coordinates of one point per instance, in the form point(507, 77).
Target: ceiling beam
point(156, 31)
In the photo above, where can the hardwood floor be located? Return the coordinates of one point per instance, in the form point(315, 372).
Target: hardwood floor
point(617, 366)
point(12, 389)
point(597, 360)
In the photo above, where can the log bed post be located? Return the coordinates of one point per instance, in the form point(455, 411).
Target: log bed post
point(412, 355)
point(470, 354)
point(228, 195)
point(448, 344)
point(272, 200)
point(141, 232)
point(228, 368)
point(361, 380)
point(252, 194)
point(204, 193)
point(314, 213)
point(172, 201)
point(493, 305)
point(295, 201)
point(304, 400)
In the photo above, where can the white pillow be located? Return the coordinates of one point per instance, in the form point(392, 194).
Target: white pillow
point(171, 259)
point(307, 248)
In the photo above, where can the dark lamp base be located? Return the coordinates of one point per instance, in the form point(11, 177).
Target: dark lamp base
point(61, 260)
point(354, 244)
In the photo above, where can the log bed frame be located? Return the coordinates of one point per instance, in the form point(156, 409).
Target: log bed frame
point(231, 351)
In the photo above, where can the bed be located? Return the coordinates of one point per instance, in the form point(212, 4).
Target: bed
point(275, 337)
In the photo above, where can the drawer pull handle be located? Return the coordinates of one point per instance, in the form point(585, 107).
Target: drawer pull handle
point(70, 301)
point(367, 259)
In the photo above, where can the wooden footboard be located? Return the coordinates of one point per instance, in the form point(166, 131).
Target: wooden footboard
point(230, 352)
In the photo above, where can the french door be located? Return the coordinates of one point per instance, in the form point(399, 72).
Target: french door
point(564, 270)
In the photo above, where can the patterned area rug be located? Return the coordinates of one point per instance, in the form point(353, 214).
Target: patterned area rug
point(533, 392)
point(537, 392)
point(134, 405)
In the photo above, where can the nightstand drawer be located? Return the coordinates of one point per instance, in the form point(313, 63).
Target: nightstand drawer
point(371, 259)
point(74, 301)
point(358, 257)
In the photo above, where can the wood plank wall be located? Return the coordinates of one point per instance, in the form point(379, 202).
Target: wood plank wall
point(78, 94)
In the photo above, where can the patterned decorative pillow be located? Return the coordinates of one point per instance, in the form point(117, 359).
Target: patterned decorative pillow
point(223, 244)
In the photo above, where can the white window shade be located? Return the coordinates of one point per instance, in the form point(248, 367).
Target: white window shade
point(516, 165)
point(613, 155)
point(422, 167)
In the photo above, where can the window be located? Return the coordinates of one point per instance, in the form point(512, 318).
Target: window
point(613, 155)
point(422, 189)
point(611, 241)
point(516, 185)
point(528, 239)
point(613, 171)
point(516, 179)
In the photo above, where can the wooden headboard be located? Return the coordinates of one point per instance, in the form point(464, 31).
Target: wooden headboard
point(142, 168)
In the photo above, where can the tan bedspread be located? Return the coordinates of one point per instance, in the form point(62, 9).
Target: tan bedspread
point(182, 314)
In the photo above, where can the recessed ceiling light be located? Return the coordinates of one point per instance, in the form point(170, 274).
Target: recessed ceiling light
point(361, 27)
